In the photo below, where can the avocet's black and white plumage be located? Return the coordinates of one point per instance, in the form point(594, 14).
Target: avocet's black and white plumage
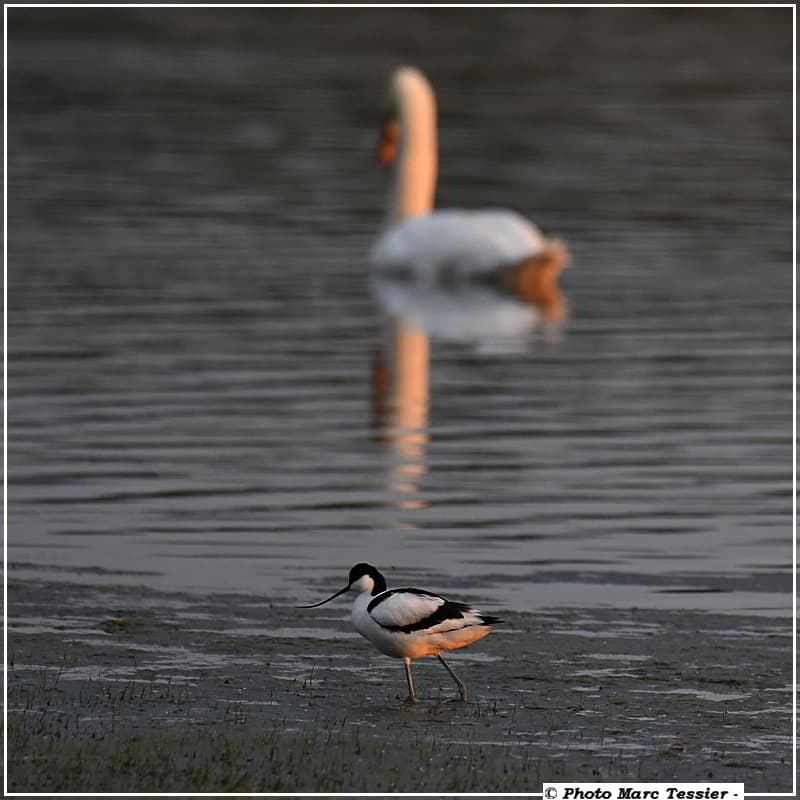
point(411, 623)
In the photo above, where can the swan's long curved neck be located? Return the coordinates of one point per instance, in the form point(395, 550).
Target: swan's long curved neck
point(414, 180)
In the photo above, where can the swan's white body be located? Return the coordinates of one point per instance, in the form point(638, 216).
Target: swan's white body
point(420, 242)
point(461, 242)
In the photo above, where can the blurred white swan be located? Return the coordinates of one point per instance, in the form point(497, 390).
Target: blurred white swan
point(445, 248)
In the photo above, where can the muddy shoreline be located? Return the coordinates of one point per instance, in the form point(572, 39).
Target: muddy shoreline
point(131, 690)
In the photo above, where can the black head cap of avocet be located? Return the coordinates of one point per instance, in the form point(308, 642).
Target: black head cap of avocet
point(363, 578)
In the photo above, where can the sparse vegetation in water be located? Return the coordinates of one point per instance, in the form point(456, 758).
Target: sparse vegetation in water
point(228, 757)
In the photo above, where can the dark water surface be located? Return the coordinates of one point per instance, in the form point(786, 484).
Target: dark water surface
point(191, 332)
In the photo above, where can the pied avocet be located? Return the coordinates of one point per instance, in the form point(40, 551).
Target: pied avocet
point(411, 623)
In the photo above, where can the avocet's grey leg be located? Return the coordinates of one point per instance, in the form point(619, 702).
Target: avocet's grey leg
point(412, 697)
point(462, 690)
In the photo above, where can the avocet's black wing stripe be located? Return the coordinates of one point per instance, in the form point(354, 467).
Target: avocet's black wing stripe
point(447, 611)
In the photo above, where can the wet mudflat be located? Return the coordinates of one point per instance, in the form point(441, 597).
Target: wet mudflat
point(172, 692)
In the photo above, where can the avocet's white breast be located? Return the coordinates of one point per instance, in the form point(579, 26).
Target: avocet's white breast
point(370, 629)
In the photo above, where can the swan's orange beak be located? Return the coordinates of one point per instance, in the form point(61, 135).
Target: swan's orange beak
point(389, 142)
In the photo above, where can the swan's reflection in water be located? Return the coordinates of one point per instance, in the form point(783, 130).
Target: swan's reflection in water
point(499, 312)
point(494, 311)
point(401, 402)
point(486, 277)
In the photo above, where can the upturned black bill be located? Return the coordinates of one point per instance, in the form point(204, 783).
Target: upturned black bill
point(322, 602)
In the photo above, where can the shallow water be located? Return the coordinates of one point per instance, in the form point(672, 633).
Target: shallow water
point(192, 335)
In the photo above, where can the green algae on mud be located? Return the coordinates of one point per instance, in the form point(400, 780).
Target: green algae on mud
point(126, 690)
